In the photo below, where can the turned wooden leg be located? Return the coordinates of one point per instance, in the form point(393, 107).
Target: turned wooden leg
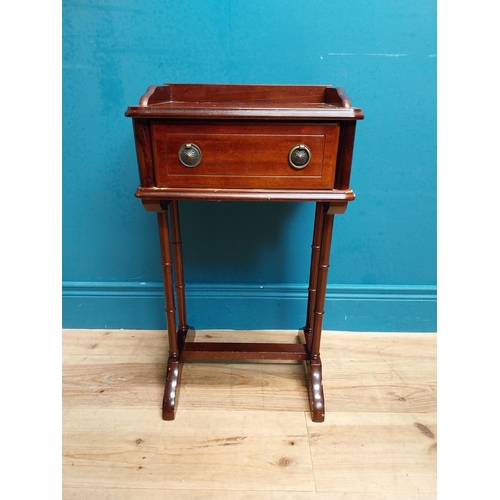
point(169, 398)
point(179, 274)
point(316, 395)
point(313, 275)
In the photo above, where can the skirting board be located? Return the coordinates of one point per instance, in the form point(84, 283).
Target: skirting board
point(141, 306)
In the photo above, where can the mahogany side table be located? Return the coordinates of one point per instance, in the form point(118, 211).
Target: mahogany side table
point(258, 143)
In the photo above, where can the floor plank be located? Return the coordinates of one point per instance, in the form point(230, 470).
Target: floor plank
point(243, 430)
point(363, 452)
point(379, 372)
point(106, 447)
point(160, 494)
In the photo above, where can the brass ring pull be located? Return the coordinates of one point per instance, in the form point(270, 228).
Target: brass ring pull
point(190, 155)
point(299, 156)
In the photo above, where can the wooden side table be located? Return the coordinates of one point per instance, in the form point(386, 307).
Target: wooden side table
point(244, 143)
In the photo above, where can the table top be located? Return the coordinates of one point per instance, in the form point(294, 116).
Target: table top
point(271, 102)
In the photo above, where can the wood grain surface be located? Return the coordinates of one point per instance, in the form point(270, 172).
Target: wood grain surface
point(243, 430)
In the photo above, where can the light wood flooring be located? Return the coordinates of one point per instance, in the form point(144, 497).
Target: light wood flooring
point(243, 430)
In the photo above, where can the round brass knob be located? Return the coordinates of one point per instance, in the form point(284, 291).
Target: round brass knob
point(299, 156)
point(189, 155)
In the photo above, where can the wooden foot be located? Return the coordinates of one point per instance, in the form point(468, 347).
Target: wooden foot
point(316, 396)
point(171, 386)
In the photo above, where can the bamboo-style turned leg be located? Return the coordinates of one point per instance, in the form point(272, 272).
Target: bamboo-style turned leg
point(316, 395)
point(179, 274)
point(169, 398)
point(313, 275)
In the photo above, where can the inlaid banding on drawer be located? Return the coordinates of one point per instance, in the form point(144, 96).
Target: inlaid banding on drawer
point(243, 155)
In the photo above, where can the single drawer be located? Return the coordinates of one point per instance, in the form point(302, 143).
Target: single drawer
point(245, 155)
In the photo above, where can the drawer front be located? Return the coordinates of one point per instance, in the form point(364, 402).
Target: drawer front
point(242, 155)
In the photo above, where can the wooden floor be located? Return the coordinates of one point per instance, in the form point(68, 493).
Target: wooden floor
point(243, 430)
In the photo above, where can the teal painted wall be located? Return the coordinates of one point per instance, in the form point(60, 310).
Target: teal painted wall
point(383, 267)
